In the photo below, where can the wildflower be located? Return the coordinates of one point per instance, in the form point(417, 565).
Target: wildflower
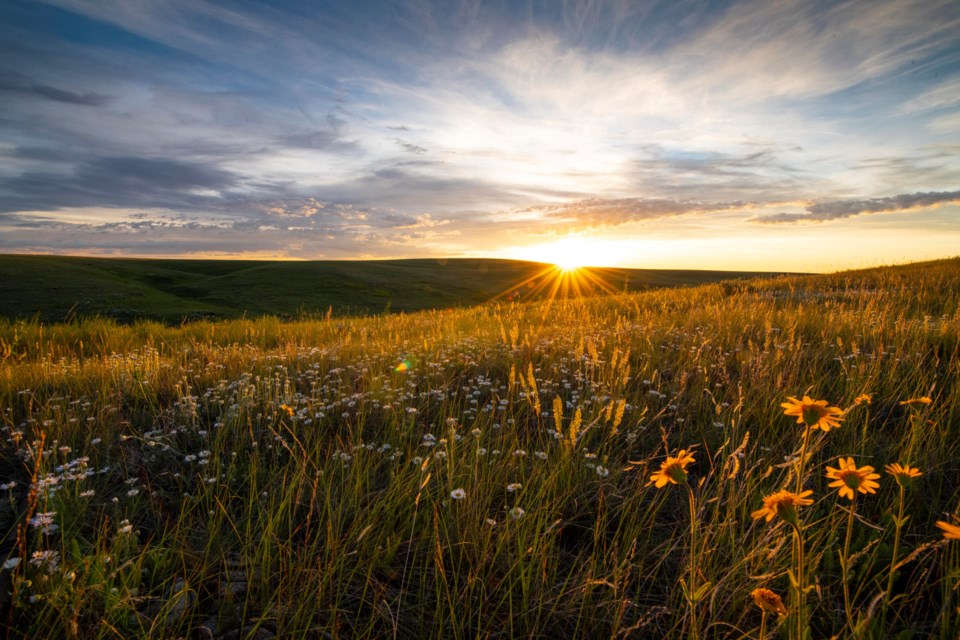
point(863, 398)
point(902, 474)
point(950, 531)
point(458, 494)
point(44, 522)
point(516, 513)
point(815, 414)
point(11, 563)
point(916, 403)
point(672, 470)
point(133, 492)
point(784, 504)
point(768, 601)
point(49, 558)
point(602, 471)
point(514, 486)
point(848, 479)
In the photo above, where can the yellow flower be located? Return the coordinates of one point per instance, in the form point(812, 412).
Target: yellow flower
point(950, 531)
point(287, 409)
point(916, 402)
point(784, 504)
point(672, 470)
point(768, 601)
point(813, 413)
point(848, 479)
point(863, 398)
point(903, 473)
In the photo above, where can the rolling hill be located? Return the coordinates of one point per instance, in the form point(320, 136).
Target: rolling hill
point(55, 288)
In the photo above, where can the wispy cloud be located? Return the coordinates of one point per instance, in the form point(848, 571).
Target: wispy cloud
point(15, 83)
point(837, 209)
point(599, 212)
point(118, 182)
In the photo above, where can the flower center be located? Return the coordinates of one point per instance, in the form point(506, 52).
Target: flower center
point(851, 479)
point(812, 415)
point(677, 473)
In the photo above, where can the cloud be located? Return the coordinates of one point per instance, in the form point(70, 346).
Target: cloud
point(604, 212)
point(409, 147)
point(121, 181)
point(332, 137)
point(755, 171)
point(489, 118)
point(16, 83)
point(838, 209)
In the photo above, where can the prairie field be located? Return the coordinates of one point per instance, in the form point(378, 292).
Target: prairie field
point(508, 470)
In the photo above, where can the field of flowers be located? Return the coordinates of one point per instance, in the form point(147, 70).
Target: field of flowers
point(751, 459)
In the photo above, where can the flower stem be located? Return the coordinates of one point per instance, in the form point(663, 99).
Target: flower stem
point(692, 586)
point(888, 595)
point(801, 591)
point(763, 624)
point(802, 460)
point(845, 565)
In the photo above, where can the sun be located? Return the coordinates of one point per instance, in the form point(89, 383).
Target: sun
point(570, 262)
point(571, 253)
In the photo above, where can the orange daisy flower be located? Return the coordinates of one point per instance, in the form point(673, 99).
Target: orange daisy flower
point(950, 531)
point(784, 504)
point(673, 470)
point(903, 473)
point(848, 479)
point(813, 413)
point(768, 601)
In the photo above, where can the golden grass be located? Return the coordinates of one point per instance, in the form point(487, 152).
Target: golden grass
point(482, 472)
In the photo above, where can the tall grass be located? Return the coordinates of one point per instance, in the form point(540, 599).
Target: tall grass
point(257, 478)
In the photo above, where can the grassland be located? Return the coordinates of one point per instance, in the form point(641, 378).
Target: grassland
point(485, 472)
point(57, 288)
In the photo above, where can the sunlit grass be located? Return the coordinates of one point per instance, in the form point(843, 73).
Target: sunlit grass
point(486, 472)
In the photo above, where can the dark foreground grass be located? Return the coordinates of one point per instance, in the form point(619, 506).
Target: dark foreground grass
point(483, 472)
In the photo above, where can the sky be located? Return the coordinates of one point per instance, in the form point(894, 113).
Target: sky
point(786, 135)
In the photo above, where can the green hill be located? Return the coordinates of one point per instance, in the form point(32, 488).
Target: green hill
point(54, 288)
